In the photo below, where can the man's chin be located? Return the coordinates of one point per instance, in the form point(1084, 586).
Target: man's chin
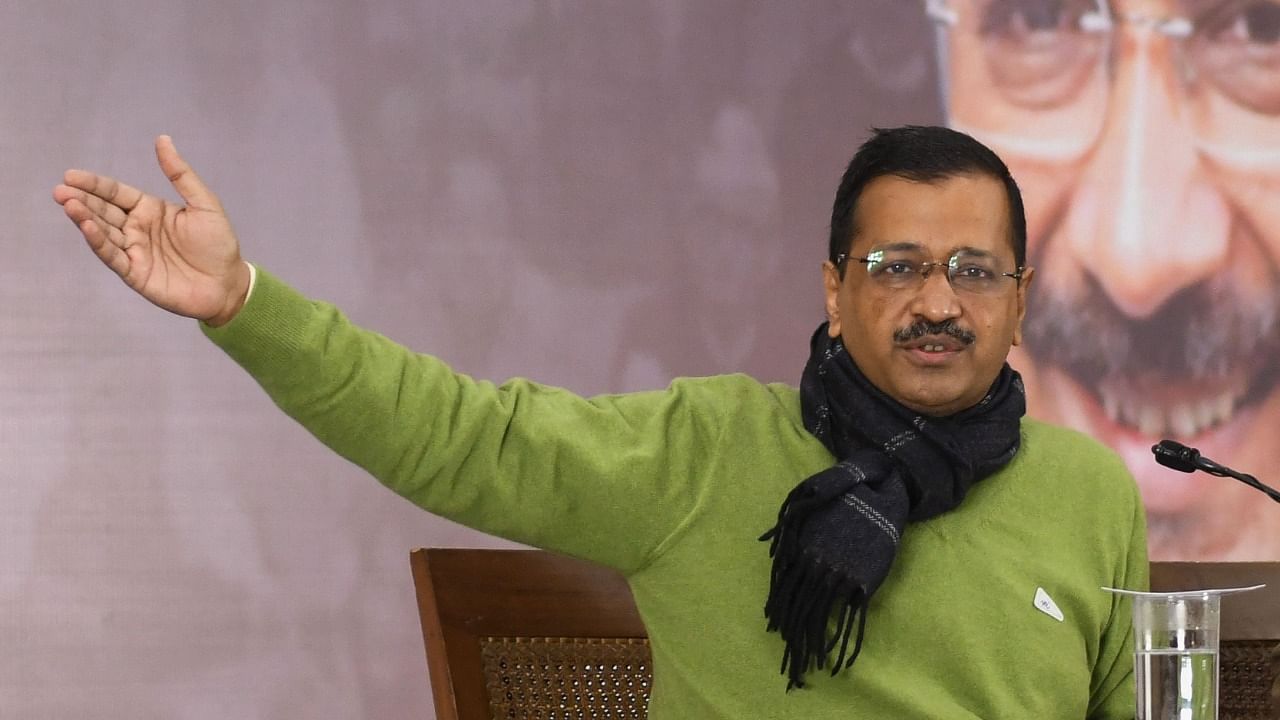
point(1170, 496)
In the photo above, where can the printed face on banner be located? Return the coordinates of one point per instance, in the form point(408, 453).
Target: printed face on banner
point(1145, 135)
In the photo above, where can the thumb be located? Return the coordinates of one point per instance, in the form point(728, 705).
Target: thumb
point(189, 185)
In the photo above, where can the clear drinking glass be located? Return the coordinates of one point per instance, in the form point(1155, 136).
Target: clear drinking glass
point(1176, 652)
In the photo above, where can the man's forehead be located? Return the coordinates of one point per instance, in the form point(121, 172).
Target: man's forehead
point(900, 212)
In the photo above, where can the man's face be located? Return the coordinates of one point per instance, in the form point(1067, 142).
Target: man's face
point(887, 325)
point(1148, 151)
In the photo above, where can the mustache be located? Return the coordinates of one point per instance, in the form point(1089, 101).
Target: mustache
point(924, 328)
point(1204, 332)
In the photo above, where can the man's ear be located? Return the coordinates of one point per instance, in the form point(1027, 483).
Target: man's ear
point(831, 293)
point(1023, 286)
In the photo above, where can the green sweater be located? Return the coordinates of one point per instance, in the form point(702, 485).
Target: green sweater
point(673, 488)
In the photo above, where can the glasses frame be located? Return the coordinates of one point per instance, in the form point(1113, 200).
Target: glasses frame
point(926, 268)
point(1102, 20)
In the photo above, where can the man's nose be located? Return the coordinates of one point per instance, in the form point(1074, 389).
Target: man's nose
point(1145, 220)
point(936, 300)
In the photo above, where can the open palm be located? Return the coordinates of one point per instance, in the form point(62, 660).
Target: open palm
point(185, 259)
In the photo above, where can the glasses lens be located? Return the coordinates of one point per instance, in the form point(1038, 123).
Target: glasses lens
point(1234, 72)
point(894, 269)
point(975, 273)
point(1028, 70)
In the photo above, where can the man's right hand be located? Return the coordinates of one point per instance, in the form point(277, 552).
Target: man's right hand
point(185, 259)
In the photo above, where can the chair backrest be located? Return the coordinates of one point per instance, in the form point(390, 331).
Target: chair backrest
point(529, 635)
point(1248, 662)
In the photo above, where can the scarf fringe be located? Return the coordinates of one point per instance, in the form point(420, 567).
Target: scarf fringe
point(804, 594)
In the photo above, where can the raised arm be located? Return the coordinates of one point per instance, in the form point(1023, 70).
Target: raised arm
point(183, 258)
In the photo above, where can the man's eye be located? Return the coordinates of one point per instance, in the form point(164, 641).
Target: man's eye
point(1041, 54)
point(1256, 22)
point(1017, 18)
point(1236, 50)
point(974, 272)
point(897, 267)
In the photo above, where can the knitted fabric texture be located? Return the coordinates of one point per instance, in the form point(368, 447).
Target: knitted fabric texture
point(839, 530)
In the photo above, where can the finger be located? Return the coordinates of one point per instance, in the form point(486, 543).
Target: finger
point(113, 191)
point(100, 231)
point(111, 214)
point(189, 185)
point(110, 255)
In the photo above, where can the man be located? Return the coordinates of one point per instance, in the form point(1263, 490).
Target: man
point(1144, 133)
point(916, 523)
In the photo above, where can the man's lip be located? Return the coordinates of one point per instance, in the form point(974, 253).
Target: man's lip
point(1181, 409)
point(1164, 491)
point(931, 358)
point(1185, 370)
point(935, 343)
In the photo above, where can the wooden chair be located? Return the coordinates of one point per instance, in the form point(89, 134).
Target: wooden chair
point(1249, 664)
point(529, 635)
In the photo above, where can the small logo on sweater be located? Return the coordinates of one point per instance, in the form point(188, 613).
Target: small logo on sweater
point(1046, 605)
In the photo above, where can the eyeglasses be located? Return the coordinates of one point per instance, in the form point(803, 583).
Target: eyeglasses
point(968, 271)
point(1036, 76)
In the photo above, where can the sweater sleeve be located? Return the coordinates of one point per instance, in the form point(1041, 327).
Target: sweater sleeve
point(607, 478)
point(1112, 689)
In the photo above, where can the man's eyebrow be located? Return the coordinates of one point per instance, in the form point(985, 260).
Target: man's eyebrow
point(897, 246)
point(904, 245)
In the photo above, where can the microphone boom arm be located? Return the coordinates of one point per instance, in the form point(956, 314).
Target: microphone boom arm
point(1175, 455)
point(1214, 468)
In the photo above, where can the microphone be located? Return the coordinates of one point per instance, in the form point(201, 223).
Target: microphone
point(1175, 455)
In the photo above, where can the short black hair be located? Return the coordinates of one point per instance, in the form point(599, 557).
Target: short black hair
point(921, 153)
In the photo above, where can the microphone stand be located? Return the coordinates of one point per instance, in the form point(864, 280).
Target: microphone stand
point(1175, 455)
point(1214, 468)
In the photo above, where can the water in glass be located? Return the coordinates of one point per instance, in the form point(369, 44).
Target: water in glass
point(1177, 684)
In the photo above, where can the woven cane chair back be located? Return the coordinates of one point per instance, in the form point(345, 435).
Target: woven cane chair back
point(529, 635)
point(1249, 661)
